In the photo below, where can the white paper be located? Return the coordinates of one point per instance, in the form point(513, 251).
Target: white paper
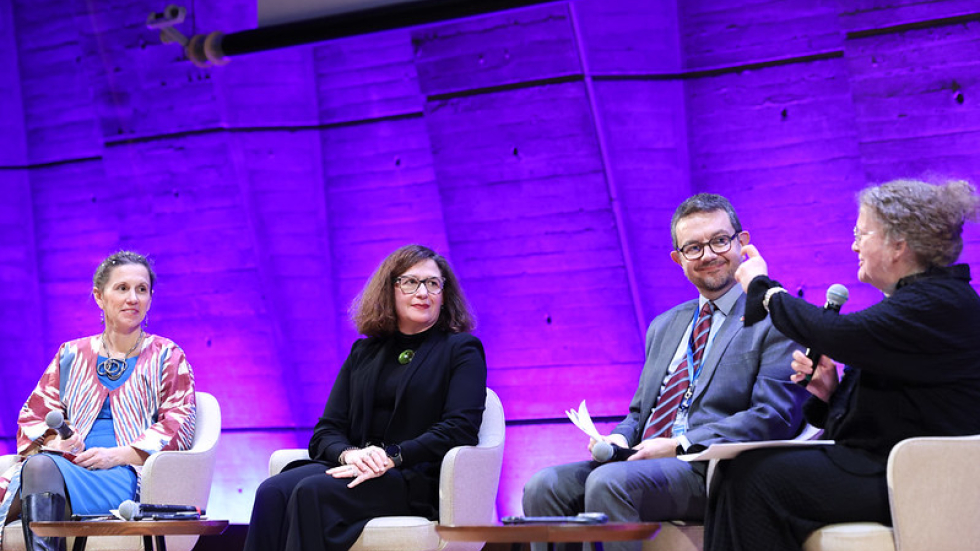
point(729, 450)
point(582, 420)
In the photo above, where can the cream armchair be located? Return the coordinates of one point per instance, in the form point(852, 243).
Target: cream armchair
point(467, 492)
point(175, 477)
point(934, 490)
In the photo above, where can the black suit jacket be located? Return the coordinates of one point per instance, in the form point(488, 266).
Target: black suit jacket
point(438, 405)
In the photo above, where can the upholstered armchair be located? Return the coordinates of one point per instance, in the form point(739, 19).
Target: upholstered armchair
point(177, 477)
point(467, 492)
point(934, 490)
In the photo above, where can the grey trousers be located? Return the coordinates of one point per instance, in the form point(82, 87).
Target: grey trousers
point(647, 490)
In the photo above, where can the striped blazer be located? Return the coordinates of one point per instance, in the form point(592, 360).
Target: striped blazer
point(152, 411)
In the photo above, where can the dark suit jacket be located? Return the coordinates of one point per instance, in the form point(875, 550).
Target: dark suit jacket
point(438, 405)
point(743, 392)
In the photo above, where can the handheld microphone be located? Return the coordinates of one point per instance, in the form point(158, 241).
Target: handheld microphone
point(56, 421)
point(604, 451)
point(131, 510)
point(836, 297)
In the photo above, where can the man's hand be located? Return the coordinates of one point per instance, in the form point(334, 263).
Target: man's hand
point(614, 439)
point(655, 448)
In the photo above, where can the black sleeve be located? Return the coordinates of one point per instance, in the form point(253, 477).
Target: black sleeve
point(464, 401)
point(899, 336)
point(754, 311)
point(815, 412)
point(331, 435)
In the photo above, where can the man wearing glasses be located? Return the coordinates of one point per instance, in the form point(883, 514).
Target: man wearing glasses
point(707, 379)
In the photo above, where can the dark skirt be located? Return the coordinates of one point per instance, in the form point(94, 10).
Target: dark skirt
point(305, 509)
point(772, 499)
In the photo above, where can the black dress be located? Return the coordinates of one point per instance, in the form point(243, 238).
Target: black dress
point(913, 370)
point(433, 403)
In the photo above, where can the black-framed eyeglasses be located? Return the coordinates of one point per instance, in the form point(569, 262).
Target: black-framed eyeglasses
point(720, 244)
point(410, 284)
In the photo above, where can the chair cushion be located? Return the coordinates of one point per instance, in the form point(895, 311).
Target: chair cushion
point(398, 534)
point(677, 536)
point(866, 536)
point(12, 538)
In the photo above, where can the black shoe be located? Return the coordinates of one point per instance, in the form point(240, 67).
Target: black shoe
point(39, 507)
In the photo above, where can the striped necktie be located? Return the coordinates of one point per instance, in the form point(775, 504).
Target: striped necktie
point(662, 417)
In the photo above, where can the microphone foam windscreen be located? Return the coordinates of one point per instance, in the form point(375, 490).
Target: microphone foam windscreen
point(54, 419)
point(602, 451)
point(129, 509)
point(837, 294)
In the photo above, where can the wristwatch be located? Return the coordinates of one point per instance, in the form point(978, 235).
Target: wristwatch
point(394, 451)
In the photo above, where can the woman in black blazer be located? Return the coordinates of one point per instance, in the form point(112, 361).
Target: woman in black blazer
point(407, 394)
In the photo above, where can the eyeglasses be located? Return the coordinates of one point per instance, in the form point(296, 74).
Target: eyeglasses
point(858, 234)
point(410, 285)
point(719, 245)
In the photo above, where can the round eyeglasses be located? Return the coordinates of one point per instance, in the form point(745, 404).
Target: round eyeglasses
point(410, 284)
point(719, 244)
point(858, 234)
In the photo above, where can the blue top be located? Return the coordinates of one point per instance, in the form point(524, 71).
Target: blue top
point(97, 492)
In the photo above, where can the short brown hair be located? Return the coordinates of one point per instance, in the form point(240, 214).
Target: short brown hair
point(703, 202)
point(373, 310)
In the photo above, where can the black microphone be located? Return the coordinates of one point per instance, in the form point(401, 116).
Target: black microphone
point(604, 451)
point(56, 421)
point(836, 297)
point(131, 510)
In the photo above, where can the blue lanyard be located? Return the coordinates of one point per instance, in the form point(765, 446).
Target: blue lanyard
point(686, 401)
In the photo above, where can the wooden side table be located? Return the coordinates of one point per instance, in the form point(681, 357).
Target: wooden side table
point(551, 533)
point(149, 529)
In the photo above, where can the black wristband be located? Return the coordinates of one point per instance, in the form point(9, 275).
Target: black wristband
point(394, 451)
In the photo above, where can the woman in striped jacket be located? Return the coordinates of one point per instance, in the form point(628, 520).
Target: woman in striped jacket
point(123, 395)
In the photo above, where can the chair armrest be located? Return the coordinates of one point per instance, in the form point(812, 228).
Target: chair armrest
point(178, 477)
point(932, 484)
point(468, 485)
point(280, 458)
point(7, 461)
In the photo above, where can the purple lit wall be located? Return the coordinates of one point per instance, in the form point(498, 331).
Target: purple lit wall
point(542, 150)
